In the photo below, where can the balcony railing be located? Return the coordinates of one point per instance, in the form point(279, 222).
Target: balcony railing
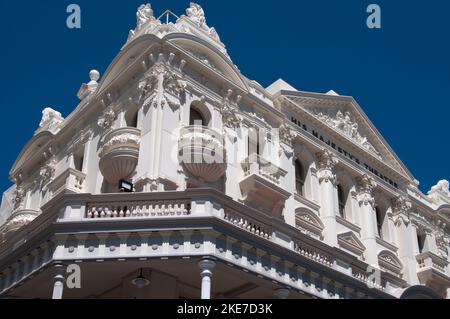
point(255, 164)
point(71, 179)
point(261, 185)
point(142, 209)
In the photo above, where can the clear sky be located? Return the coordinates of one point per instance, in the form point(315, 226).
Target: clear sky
point(400, 75)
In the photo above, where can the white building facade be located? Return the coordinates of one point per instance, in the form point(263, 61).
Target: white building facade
point(239, 191)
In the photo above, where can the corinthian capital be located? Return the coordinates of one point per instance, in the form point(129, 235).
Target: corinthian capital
point(326, 163)
point(366, 185)
point(401, 205)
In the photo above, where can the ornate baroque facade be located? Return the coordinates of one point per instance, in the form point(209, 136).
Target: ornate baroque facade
point(240, 191)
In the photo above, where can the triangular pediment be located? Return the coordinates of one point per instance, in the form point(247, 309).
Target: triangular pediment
point(389, 261)
point(308, 222)
point(342, 115)
point(351, 242)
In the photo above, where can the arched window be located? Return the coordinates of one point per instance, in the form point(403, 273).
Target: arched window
point(299, 177)
point(196, 118)
point(421, 237)
point(341, 200)
point(380, 215)
point(255, 142)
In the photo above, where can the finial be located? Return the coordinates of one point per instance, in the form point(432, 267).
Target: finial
point(94, 75)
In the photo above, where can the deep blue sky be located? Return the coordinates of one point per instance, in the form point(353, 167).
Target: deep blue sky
point(400, 75)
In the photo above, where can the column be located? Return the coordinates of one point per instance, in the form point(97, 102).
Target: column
point(327, 181)
point(406, 236)
point(206, 265)
point(366, 202)
point(59, 281)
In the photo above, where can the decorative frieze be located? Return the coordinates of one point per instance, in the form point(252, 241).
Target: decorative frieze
point(344, 124)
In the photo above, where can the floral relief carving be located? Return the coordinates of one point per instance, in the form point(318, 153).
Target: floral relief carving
point(286, 134)
point(159, 82)
point(107, 119)
point(18, 198)
point(123, 139)
point(47, 172)
point(18, 220)
point(442, 239)
point(229, 112)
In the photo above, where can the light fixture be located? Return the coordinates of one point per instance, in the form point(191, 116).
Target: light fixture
point(140, 281)
point(126, 187)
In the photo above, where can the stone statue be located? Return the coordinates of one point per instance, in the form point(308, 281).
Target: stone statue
point(197, 15)
point(442, 187)
point(51, 119)
point(343, 122)
point(144, 14)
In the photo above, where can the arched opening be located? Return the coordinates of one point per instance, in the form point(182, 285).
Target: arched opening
point(421, 239)
point(78, 159)
point(380, 216)
point(255, 142)
point(196, 118)
point(131, 118)
point(299, 178)
point(342, 200)
point(199, 115)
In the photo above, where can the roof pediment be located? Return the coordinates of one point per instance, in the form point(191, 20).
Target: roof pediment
point(343, 116)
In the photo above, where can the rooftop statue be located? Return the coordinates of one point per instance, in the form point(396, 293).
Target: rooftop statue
point(144, 14)
point(51, 120)
point(196, 14)
point(442, 187)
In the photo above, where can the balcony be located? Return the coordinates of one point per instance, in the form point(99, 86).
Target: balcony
point(261, 185)
point(433, 271)
point(202, 153)
point(119, 154)
point(179, 226)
